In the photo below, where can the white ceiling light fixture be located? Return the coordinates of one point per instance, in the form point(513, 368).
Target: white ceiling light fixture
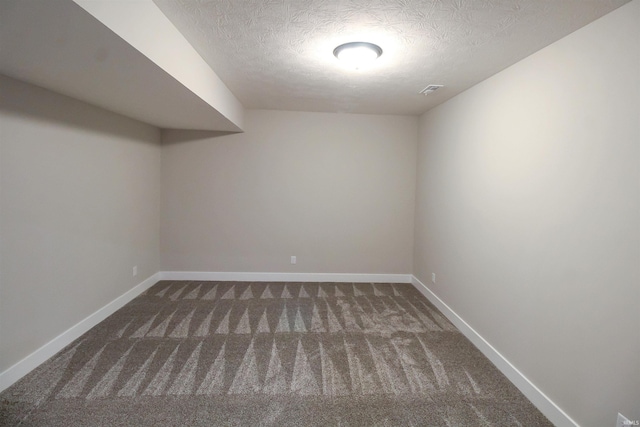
point(357, 54)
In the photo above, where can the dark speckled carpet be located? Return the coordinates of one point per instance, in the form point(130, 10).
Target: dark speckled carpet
point(270, 354)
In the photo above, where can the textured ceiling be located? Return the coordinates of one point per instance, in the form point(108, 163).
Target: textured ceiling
point(277, 54)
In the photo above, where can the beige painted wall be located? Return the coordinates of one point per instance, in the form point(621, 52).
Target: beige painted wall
point(79, 207)
point(528, 211)
point(335, 190)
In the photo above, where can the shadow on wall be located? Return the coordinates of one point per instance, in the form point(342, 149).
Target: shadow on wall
point(170, 136)
point(16, 99)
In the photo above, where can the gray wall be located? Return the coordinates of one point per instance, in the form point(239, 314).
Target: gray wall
point(528, 208)
point(79, 207)
point(336, 190)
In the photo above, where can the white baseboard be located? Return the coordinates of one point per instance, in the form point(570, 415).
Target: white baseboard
point(541, 401)
point(285, 277)
point(32, 361)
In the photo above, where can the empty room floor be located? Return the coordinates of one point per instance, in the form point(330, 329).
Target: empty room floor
point(249, 354)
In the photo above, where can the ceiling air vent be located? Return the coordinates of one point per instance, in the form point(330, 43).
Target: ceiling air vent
point(430, 89)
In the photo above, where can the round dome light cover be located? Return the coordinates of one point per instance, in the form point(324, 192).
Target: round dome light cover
point(357, 54)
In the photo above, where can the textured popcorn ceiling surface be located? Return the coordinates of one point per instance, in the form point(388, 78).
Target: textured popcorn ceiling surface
point(277, 54)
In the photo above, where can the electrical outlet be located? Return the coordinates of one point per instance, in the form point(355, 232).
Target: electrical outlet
point(433, 277)
point(135, 270)
point(625, 422)
point(293, 259)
